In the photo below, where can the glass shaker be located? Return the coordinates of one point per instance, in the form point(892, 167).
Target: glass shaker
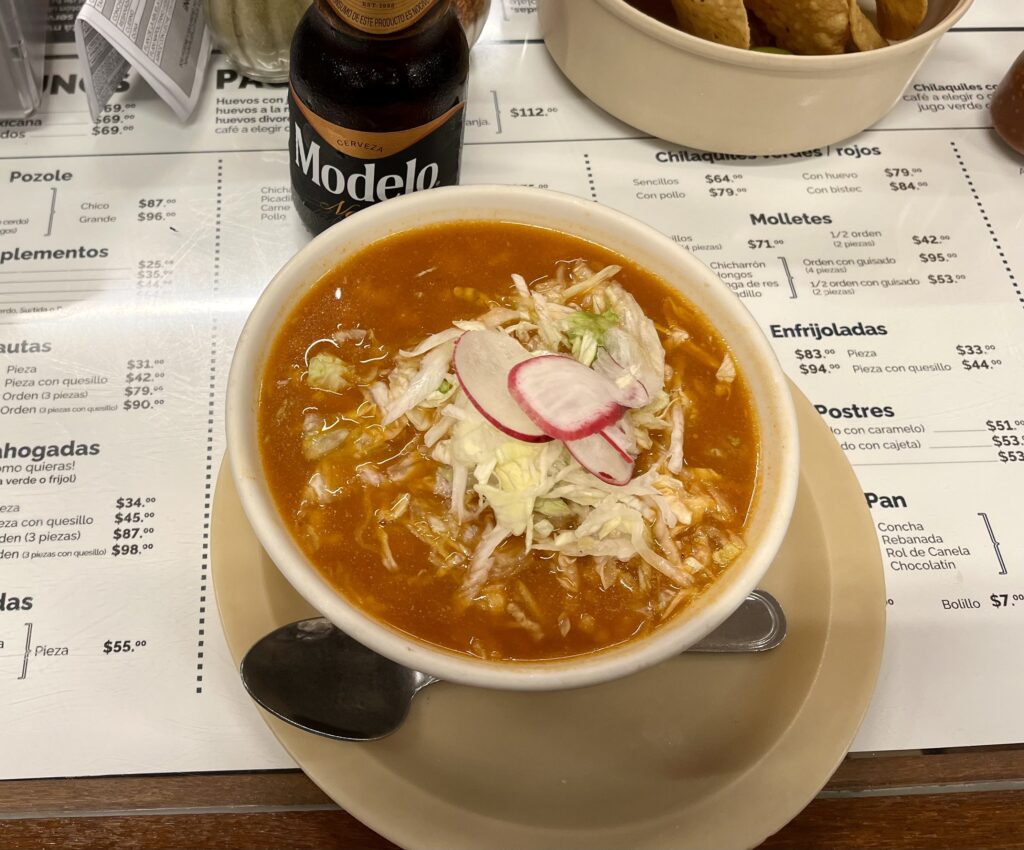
point(256, 35)
point(1008, 106)
point(472, 14)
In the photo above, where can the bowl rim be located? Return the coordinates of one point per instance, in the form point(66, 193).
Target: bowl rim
point(508, 203)
point(775, 61)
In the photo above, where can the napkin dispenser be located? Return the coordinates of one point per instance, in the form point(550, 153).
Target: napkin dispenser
point(22, 50)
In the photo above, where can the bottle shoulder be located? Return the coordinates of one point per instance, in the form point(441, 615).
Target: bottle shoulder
point(378, 83)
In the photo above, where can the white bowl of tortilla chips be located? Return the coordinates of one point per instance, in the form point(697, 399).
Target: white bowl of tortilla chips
point(747, 76)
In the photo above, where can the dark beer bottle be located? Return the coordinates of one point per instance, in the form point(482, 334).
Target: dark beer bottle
point(376, 102)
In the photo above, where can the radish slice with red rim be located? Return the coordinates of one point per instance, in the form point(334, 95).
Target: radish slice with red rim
point(483, 360)
point(622, 436)
point(601, 458)
point(564, 398)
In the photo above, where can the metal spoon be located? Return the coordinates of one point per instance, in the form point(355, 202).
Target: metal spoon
point(316, 677)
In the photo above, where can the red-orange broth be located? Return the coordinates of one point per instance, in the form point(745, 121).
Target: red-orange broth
point(404, 288)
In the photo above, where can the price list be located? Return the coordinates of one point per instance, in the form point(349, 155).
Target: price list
point(133, 523)
point(143, 388)
point(885, 270)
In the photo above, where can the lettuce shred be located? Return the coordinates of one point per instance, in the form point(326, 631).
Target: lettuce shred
point(329, 372)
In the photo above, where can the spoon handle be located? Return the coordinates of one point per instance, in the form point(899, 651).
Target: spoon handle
point(757, 625)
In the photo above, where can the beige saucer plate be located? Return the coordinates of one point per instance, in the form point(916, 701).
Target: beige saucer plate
point(703, 751)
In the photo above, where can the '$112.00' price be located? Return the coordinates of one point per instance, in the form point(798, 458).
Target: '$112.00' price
point(532, 111)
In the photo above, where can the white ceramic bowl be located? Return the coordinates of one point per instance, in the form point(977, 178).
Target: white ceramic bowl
point(717, 98)
point(778, 468)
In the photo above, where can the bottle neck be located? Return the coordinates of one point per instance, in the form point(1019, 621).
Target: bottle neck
point(368, 17)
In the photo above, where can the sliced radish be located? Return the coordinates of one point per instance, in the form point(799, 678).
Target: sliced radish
point(632, 393)
point(622, 437)
point(483, 360)
point(599, 456)
point(564, 398)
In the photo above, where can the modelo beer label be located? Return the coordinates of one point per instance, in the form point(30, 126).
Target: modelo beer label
point(339, 171)
point(381, 17)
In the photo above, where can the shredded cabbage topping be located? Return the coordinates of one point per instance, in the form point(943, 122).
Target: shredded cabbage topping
point(659, 535)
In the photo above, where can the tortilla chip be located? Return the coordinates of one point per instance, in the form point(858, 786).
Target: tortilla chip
point(898, 19)
point(759, 35)
point(808, 27)
point(862, 31)
point(722, 21)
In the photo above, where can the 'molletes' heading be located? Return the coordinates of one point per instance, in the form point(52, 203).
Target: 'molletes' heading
point(789, 218)
point(79, 253)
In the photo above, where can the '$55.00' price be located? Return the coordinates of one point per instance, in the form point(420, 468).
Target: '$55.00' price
point(110, 646)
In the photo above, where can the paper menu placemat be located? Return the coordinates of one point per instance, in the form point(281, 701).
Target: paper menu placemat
point(886, 270)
